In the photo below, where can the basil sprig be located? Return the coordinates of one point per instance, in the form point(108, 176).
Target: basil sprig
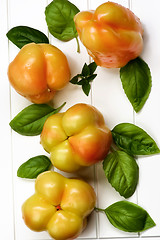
point(22, 35)
point(59, 17)
point(136, 81)
point(134, 140)
point(85, 77)
point(122, 172)
point(34, 166)
point(30, 120)
point(120, 166)
point(128, 217)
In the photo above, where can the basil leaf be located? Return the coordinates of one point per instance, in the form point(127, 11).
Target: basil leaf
point(59, 18)
point(129, 217)
point(91, 77)
point(22, 35)
point(74, 80)
point(30, 121)
point(134, 140)
point(82, 82)
point(136, 81)
point(85, 77)
point(85, 70)
point(122, 172)
point(92, 67)
point(86, 88)
point(34, 166)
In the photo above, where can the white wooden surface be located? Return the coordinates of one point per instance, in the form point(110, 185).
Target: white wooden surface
point(107, 95)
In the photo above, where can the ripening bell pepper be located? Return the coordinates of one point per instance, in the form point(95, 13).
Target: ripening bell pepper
point(76, 138)
point(59, 205)
point(112, 34)
point(38, 71)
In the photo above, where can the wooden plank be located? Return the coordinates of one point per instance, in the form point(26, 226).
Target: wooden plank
point(6, 200)
point(108, 96)
point(28, 13)
point(26, 147)
point(73, 94)
point(149, 117)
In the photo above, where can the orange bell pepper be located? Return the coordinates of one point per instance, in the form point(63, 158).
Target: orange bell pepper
point(112, 34)
point(38, 71)
point(76, 138)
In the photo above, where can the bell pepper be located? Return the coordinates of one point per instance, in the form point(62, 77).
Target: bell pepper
point(38, 71)
point(112, 34)
point(76, 138)
point(59, 206)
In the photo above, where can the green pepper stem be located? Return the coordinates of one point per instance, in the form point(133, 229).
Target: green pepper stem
point(99, 209)
point(78, 46)
point(112, 149)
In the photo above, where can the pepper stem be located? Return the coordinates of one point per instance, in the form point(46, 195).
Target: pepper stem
point(99, 209)
point(78, 46)
point(112, 149)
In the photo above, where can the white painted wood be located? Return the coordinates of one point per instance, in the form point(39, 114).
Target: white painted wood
point(73, 94)
point(28, 13)
point(26, 147)
point(107, 95)
point(6, 186)
point(149, 117)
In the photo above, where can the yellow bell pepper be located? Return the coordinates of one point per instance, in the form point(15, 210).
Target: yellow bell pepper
point(59, 205)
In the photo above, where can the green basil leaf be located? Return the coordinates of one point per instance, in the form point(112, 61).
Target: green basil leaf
point(86, 88)
point(92, 67)
point(82, 82)
point(134, 140)
point(74, 80)
point(122, 172)
point(22, 35)
point(30, 121)
point(59, 18)
point(129, 217)
point(85, 70)
point(91, 77)
point(136, 81)
point(85, 77)
point(34, 166)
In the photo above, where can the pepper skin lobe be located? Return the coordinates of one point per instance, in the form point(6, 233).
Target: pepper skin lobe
point(65, 158)
point(92, 144)
point(53, 133)
point(71, 224)
point(38, 71)
point(60, 206)
point(36, 212)
point(74, 190)
point(112, 34)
